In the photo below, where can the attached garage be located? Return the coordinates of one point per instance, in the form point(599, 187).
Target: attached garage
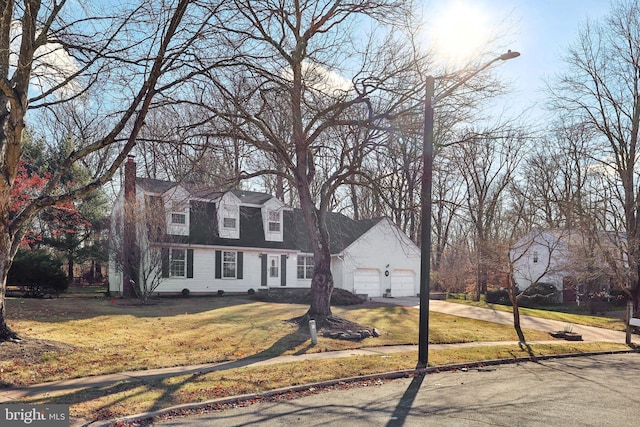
point(403, 283)
point(367, 281)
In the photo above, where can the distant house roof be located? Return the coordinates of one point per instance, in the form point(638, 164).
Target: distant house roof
point(576, 237)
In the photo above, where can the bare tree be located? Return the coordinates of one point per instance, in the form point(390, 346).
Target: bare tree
point(487, 164)
point(60, 53)
point(601, 88)
point(290, 57)
point(148, 257)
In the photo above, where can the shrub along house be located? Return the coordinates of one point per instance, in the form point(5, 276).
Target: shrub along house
point(235, 241)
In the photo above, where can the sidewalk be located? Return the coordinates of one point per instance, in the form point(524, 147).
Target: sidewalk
point(68, 386)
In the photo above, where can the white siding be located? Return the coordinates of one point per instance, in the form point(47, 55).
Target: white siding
point(383, 248)
point(538, 257)
point(204, 278)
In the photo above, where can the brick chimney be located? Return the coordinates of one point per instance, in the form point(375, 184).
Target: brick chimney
point(129, 252)
point(130, 178)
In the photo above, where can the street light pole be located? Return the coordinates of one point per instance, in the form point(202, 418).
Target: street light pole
point(426, 202)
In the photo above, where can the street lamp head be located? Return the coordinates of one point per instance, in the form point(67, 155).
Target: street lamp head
point(509, 55)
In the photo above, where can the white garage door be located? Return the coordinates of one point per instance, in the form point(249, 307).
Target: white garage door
point(367, 281)
point(403, 283)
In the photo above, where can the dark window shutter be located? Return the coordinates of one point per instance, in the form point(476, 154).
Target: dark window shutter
point(239, 265)
point(164, 254)
point(189, 263)
point(263, 270)
point(283, 270)
point(218, 273)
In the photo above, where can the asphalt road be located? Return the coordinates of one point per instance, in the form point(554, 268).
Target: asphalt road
point(601, 390)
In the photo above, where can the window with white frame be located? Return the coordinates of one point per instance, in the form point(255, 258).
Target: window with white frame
point(305, 267)
point(177, 262)
point(229, 219)
point(274, 221)
point(178, 215)
point(178, 218)
point(273, 267)
point(229, 264)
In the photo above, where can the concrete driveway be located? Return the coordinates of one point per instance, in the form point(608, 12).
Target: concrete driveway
point(589, 333)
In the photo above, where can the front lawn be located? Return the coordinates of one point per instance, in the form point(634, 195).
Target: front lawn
point(75, 337)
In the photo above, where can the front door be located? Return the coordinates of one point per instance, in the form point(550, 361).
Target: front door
point(273, 270)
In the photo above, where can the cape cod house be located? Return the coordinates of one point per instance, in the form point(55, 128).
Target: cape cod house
point(237, 241)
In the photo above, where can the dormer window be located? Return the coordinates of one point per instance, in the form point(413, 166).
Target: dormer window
point(179, 218)
point(274, 221)
point(229, 218)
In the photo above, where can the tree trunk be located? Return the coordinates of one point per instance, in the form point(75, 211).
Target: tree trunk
point(515, 310)
point(322, 279)
point(321, 288)
point(6, 333)
point(516, 321)
point(354, 203)
point(70, 266)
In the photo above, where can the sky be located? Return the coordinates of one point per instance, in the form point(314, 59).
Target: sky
point(540, 30)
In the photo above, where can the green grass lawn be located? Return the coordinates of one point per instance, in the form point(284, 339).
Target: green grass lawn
point(93, 335)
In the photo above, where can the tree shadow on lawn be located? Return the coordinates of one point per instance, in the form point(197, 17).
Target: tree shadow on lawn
point(167, 390)
point(66, 309)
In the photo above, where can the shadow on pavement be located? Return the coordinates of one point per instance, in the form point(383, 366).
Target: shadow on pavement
point(403, 408)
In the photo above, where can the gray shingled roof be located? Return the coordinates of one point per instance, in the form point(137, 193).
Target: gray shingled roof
point(155, 185)
point(159, 186)
point(343, 231)
point(252, 197)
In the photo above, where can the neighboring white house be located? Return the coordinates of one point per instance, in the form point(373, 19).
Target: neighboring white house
point(237, 240)
point(574, 262)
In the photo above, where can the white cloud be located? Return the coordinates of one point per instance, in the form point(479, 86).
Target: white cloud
point(321, 79)
point(52, 65)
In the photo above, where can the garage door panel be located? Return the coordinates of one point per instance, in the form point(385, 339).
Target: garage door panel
point(403, 283)
point(367, 281)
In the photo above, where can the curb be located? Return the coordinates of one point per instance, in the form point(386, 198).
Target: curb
point(180, 410)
